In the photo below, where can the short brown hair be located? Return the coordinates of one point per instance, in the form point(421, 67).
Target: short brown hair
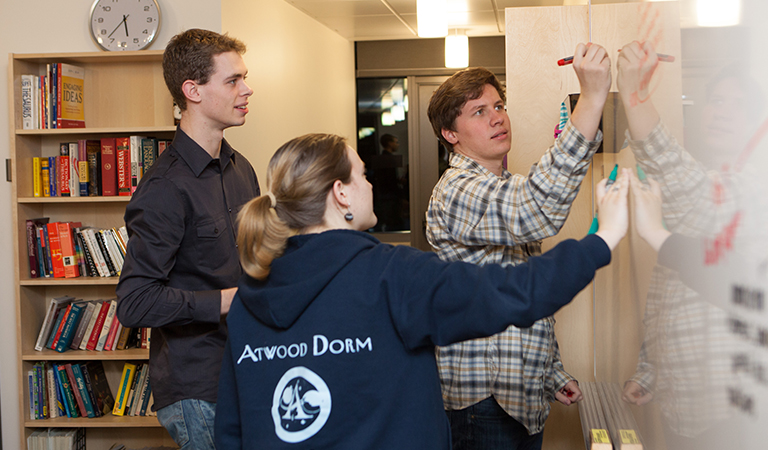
point(447, 101)
point(189, 56)
point(299, 177)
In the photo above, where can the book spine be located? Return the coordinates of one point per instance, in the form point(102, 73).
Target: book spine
point(105, 253)
point(54, 244)
point(108, 167)
point(69, 397)
point(45, 177)
point(68, 256)
point(63, 178)
point(93, 156)
point(78, 398)
point(53, 403)
point(89, 389)
point(74, 170)
point(90, 237)
point(26, 102)
point(108, 321)
point(113, 332)
point(53, 170)
point(82, 168)
point(37, 182)
point(70, 327)
point(92, 271)
point(45, 328)
point(45, 243)
point(85, 319)
point(91, 326)
point(98, 325)
point(123, 145)
point(59, 327)
point(83, 391)
point(122, 392)
point(32, 249)
point(148, 153)
point(32, 397)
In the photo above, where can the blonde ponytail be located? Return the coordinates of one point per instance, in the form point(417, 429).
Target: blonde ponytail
point(299, 176)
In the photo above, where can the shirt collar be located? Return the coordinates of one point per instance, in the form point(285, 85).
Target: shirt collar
point(461, 162)
point(195, 156)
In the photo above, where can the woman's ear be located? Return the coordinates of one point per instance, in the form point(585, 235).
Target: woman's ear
point(338, 194)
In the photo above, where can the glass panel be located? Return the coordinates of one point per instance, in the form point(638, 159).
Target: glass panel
point(382, 143)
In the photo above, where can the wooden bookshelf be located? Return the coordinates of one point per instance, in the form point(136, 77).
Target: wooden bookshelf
point(124, 95)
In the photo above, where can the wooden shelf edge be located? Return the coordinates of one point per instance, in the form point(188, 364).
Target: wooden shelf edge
point(76, 200)
point(91, 57)
point(87, 355)
point(79, 281)
point(109, 421)
point(107, 130)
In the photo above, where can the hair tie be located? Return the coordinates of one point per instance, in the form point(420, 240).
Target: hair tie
point(272, 199)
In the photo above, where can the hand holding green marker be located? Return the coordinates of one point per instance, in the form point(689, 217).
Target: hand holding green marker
point(611, 179)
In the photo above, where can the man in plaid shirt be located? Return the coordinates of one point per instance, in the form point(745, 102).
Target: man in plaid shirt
point(497, 390)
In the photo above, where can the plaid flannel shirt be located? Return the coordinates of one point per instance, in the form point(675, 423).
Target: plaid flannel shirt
point(478, 217)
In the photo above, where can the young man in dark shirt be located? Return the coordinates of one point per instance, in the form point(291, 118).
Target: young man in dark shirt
point(182, 266)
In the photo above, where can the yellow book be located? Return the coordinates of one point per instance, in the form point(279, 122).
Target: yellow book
point(37, 182)
point(45, 177)
point(70, 109)
point(129, 371)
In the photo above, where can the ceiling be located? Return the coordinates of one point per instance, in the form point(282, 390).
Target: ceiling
point(368, 20)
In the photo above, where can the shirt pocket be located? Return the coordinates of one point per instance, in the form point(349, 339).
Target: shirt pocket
point(213, 241)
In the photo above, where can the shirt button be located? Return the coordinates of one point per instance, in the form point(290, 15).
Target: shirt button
point(230, 209)
point(582, 149)
point(216, 230)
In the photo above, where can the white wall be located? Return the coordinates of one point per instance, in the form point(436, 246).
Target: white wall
point(38, 26)
point(302, 74)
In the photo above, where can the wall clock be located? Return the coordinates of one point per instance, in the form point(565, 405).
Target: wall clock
point(122, 25)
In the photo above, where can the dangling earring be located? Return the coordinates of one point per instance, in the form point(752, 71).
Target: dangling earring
point(348, 216)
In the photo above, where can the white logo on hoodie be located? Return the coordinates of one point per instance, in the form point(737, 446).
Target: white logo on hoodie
point(301, 405)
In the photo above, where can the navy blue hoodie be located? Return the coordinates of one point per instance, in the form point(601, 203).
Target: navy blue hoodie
point(335, 349)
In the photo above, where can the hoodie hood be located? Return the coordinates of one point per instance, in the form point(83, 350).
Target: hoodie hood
point(309, 263)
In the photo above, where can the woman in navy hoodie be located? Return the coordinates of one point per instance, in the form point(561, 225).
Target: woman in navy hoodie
point(332, 333)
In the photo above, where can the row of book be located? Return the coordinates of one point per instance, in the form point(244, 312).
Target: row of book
point(90, 167)
point(69, 390)
point(72, 324)
point(134, 394)
point(55, 99)
point(57, 439)
point(69, 250)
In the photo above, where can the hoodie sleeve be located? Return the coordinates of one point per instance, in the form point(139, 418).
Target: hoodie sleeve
point(439, 303)
point(227, 427)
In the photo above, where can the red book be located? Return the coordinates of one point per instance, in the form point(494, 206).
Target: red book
point(62, 171)
point(113, 329)
point(108, 167)
point(76, 391)
point(68, 254)
point(54, 244)
point(93, 339)
point(123, 145)
point(58, 331)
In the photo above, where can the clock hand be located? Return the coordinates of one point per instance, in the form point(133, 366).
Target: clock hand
point(118, 26)
point(125, 22)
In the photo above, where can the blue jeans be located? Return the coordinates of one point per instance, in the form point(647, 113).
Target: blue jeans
point(486, 426)
point(190, 423)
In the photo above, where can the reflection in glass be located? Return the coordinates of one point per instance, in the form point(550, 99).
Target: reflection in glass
point(382, 143)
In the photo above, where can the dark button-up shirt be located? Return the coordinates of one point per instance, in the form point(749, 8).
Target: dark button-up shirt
point(182, 252)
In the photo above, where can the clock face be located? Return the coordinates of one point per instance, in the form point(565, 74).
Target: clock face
point(120, 25)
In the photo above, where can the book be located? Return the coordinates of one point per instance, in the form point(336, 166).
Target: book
point(70, 327)
point(73, 384)
point(146, 394)
point(53, 169)
point(104, 399)
point(55, 305)
point(136, 172)
point(82, 168)
point(122, 391)
point(31, 381)
point(70, 111)
point(27, 83)
point(91, 325)
point(54, 410)
point(123, 156)
point(54, 244)
point(46, 251)
point(74, 170)
point(82, 390)
point(108, 167)
point(45, 177)
point(32, 246)
point(37, 182)
point(58, 327)
point(122, 339)
point(70, 404)
point(99, 239)
point(93, 157)
point(114, 330)
point(67, 244)
point(63, 178)
point(89, 389)
point(90, 240)
point(85, 319)
point(91, 269)
point(130, 403)
point(108, 321)
point(148, 154)
point(93, 340)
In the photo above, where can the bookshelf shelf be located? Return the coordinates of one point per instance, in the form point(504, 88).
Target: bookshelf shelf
point(108, 421)
point(85, 355)
point(125, 95)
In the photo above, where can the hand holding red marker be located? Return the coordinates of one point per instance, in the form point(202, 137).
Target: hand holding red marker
point(661, 56)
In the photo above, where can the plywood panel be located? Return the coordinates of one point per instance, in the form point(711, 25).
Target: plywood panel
point(601, 342)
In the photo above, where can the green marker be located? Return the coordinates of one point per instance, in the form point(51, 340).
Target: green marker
point(611, 179)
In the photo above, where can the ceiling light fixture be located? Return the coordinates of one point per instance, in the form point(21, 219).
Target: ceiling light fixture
point(432, 18)
point(718, 13)
point(456, 50)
